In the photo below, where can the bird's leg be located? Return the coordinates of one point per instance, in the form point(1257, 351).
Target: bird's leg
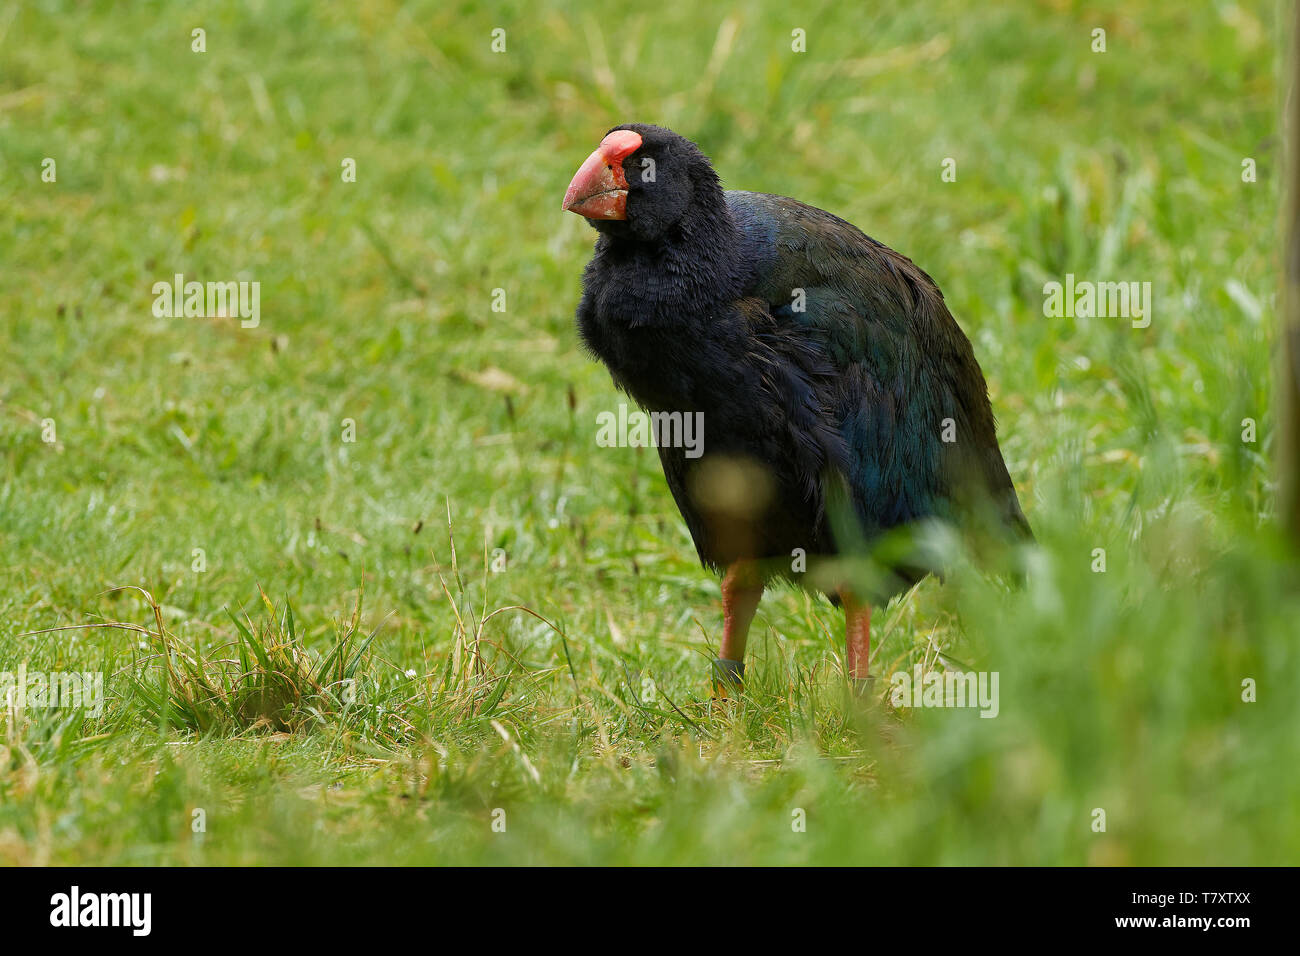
point(857, 637)
point(741, 590)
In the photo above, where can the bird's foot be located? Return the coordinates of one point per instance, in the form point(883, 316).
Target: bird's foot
point(728, 678)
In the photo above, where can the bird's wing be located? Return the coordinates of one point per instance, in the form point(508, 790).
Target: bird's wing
point(907, 393)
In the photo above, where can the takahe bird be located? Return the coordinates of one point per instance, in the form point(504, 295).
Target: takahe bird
point(840, 399)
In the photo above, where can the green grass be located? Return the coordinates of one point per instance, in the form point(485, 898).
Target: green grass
point(585, 716)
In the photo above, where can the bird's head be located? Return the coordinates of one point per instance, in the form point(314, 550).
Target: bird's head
point(641, 181)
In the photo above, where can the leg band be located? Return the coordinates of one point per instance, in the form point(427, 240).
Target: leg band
point(728, 673)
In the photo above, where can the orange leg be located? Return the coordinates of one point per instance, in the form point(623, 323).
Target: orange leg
point(741, 590)
point(857, 636)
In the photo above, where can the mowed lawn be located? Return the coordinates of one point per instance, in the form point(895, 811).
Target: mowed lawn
point(414, 384)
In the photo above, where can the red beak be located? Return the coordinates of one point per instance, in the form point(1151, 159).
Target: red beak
point(599, 189)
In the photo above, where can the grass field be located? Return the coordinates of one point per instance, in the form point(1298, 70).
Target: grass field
point(540, 694)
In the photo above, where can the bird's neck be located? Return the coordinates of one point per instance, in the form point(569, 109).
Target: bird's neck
point(698, 262)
